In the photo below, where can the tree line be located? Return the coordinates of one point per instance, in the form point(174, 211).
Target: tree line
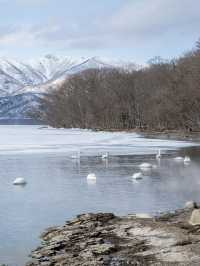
point(163, 96)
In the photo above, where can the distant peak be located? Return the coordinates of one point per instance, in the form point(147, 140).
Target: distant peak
point(50, 56)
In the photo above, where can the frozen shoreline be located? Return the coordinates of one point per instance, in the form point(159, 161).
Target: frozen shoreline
point(37, 139)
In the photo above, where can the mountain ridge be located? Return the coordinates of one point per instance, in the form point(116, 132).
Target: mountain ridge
point(33, 78)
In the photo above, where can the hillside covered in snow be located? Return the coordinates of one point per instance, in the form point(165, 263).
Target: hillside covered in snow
point(22, 84)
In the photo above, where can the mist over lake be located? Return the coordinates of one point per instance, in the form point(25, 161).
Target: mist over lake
point(57, 188)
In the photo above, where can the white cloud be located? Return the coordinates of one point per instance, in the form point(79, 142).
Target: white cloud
point(136, 22)
point(155, 17)
point(21, 38)
point(26, 2)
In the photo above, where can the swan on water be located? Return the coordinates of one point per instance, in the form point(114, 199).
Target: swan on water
point(179, 158)
point(146, 166)
point(91, 176)
point(105, 156)
point(19, 181)
point(137, 176)
point(187, 159)
point(158, 155)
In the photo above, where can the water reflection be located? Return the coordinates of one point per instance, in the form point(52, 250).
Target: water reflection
point(91, 182)
point(57, 189)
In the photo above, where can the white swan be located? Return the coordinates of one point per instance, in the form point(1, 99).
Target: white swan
point(137, 176)
point(187, 159)
point(105, 156)
point(91, 176)
point(19, 181)
point(179, 158)
point(77, 155)
point(146, 166)
point(158, 155)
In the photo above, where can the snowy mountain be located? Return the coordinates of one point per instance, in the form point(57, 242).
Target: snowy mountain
point(50, 66)
point(22, 84)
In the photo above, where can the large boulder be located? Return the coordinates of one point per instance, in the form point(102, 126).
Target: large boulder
point(190, 205)
point(195, 217)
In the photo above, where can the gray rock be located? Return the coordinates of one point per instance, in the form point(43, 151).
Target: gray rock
point(106, 240)
point(102, 249)
point(143, 216)
point(190, 205)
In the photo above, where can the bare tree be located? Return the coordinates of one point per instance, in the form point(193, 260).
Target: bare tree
point(164, 95)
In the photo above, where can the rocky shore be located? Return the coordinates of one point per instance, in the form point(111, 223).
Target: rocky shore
point(105, 239)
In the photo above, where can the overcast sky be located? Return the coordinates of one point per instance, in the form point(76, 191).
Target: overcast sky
point(134, 30)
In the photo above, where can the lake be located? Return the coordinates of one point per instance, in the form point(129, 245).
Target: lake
point(57, 188)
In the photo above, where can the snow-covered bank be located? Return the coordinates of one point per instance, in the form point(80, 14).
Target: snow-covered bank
point(39, 139)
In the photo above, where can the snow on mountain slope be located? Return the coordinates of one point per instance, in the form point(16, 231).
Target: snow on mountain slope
point(51, 65)
point(22, 84)
point(18, 106)
point(8, 84)
point(86, 64)
point(21, 72)
point(66, 69)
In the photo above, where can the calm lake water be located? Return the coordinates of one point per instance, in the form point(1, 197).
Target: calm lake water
point(57, 188)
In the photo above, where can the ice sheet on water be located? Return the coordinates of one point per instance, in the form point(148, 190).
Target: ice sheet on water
point(37, 139)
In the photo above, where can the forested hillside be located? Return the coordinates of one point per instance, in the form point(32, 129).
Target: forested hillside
point(164, 95)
